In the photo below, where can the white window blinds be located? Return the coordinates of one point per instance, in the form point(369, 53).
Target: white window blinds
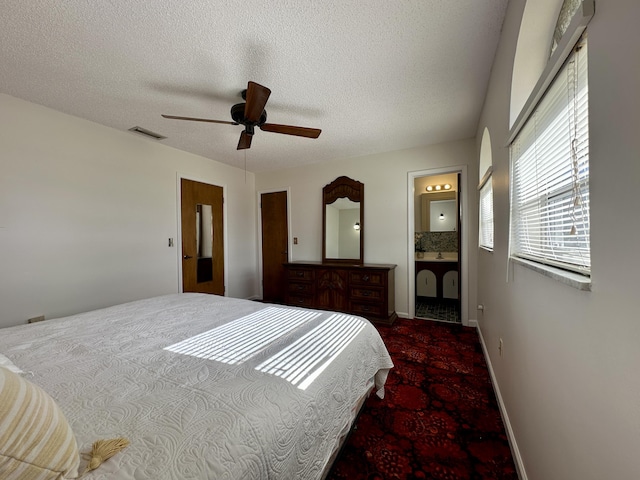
point(550, 174)
point(486, 215)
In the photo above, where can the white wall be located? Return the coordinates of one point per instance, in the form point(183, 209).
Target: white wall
point(569, 374)
point(386, 210)
point(349, 239)
point(332, 241)
point(449, 220)
point(86, 212)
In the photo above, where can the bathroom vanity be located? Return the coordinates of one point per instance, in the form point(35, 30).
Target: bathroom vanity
point(437, 277)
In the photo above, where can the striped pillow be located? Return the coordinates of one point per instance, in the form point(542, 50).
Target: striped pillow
point(36, 441)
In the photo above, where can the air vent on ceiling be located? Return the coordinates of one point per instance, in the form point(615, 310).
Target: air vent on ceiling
point(147, 133)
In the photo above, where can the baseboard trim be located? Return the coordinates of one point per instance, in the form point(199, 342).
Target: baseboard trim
point(515, 451)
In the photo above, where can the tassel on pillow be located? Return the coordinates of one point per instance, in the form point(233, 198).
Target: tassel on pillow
point(103, 450)
point(36, 440)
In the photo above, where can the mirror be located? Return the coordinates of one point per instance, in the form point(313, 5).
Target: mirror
point(439, 212)
point(204, 242)
point(342, 221)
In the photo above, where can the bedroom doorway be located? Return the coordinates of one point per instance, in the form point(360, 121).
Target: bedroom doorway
point(275, 244)
point(201, 213)
point(437, 240)
point(437, 263)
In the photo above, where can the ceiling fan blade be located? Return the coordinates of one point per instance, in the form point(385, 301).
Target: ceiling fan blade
point(200, 119)
point(257, 97)
point(245, 141)
point(291, 130)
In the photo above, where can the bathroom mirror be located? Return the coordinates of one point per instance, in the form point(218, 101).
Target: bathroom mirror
point(439, 212)
point(343, 221)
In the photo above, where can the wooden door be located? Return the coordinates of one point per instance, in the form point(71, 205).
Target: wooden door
point(275, 242)
point(202, 237)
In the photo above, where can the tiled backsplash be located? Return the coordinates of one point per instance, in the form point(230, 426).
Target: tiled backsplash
point(436, 241)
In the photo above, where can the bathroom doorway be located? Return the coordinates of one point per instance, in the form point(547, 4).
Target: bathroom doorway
point(437, 273)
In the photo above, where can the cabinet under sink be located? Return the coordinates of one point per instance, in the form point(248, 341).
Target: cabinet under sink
point(437, 279)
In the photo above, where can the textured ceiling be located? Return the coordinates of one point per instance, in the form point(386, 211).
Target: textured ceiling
point(375, 76)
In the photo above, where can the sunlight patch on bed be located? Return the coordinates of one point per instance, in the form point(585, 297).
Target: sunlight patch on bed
point(303, 361)
point(239, 340)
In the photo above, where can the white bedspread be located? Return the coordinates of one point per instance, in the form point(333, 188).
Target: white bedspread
point(197, 414)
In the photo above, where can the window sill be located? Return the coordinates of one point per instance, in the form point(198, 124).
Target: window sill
point(486, 249)
point(574, 280)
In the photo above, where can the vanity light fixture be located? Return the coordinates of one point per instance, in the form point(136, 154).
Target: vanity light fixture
point(356, 226)
point(437, 188)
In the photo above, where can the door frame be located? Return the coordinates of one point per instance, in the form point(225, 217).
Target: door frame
point(464, 244)
point(287, 190)
point(178, 242)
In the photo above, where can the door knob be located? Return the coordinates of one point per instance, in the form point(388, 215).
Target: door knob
point(187, 257)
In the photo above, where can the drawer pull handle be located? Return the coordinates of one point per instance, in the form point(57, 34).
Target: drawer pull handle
point(300, 274)
point(365, 278)
point(366, 293)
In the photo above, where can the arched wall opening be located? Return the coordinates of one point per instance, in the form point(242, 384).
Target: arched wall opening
point(532, 51)
point(486, 159)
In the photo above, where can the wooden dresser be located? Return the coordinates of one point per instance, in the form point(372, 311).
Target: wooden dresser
point(366, 290)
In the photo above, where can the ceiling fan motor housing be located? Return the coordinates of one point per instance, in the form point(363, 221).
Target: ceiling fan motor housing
point(237, 113)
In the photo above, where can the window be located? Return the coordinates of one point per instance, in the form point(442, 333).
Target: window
point(485, 203)
point(550, 173)
point(486, 215)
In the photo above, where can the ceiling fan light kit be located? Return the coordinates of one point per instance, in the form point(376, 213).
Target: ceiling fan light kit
point(252, 114)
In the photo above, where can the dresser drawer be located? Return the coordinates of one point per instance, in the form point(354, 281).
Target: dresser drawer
point(366, 278)
point(368, 309)
point(300, 288)
point(302, 274)
point(369, 294)
point(300, 300)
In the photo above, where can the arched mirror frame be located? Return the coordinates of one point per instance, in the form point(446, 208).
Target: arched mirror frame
point(342, 187)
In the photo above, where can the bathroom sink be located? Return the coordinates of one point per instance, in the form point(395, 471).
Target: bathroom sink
point(433, 257)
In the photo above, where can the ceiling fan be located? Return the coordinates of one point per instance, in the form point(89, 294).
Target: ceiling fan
point(252, 114)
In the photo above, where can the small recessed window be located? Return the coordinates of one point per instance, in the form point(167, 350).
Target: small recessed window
point(485, 187)
point(486, 215)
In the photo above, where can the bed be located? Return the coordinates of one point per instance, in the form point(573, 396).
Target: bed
point(205, 387)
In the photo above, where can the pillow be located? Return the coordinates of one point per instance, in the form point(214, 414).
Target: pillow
point(8, 364)
point(36, 441)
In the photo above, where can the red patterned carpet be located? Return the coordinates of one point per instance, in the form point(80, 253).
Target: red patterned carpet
point(439, 418)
